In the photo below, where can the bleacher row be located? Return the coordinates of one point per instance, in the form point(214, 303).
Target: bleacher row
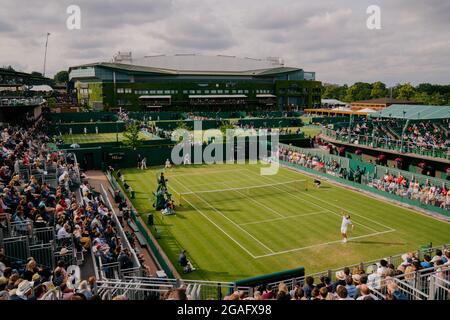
point(428, 138)
point(50, 233)
point(420, 275)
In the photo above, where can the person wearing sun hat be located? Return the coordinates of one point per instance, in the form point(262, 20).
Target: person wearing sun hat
point(24, 291)
point(340, 280)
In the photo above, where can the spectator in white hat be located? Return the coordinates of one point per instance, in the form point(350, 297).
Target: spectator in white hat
point(24, 291)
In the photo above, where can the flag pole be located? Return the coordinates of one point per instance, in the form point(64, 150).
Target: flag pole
point(45, 55)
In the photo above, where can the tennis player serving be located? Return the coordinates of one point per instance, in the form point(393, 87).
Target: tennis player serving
point(344, 226)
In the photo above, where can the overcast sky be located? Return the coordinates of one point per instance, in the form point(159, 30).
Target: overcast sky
point(325, 36)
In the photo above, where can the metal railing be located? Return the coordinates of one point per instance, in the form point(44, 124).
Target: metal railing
point(396, 260)
point(124, 240)
point(439, 288)
point(196, 289)
point(388, 144)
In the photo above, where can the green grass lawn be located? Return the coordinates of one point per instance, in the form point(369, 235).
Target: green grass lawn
point(231, 235)
point(311, 131)
point(94, 138)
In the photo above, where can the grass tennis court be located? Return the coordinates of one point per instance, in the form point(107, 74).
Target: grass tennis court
point(94, 138)
point(233, 234)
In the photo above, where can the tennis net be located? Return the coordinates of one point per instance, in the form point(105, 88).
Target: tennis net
point(234, 193)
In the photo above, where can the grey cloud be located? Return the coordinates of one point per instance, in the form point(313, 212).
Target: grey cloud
point(325, 36)
point(185, 32)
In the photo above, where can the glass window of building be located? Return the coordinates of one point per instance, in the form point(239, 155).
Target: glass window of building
point(159, 91)
point(119, 90)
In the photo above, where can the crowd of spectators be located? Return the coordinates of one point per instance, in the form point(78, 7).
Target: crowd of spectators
point(422, 135)
point(426, 193)
point(30, 202)
point(359, 283)
point(427, 134)
point(331, 167)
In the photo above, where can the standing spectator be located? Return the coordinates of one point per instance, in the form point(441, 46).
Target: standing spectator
point(144, 163)
point(139, 160)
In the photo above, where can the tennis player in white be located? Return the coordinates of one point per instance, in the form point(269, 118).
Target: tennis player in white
point(344, 226)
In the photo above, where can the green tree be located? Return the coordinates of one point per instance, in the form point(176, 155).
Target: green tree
point(131, 136)
point(61, 77)
point(225, 126)
point(437, 99)
point(334, 91)
point(405, 91)
point(421, 97)
point(358, 91)
point(378, 90)
point(35, 73)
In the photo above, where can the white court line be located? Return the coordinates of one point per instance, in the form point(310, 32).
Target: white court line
point(203, 173)
point(322, 244)
point(234, 223)
point(315, 204)
point(206, 217)
point(352, 212)
point(258, 203)
point(283, 218)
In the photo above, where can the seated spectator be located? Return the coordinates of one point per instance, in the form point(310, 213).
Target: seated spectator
point(341, 293)
point(351, 288)
point(340, 280)
point(308, 287)
point(364, 293)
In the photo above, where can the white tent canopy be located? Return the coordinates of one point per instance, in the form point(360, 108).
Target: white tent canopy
point(333, 102)
point(367, 110)
point(42, 87)
point(341, 109)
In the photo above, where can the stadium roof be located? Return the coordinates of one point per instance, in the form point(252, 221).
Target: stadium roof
point(136, 68)
point(194, 61)
point(155, 97)
point(414, 112)
point(217, 96)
